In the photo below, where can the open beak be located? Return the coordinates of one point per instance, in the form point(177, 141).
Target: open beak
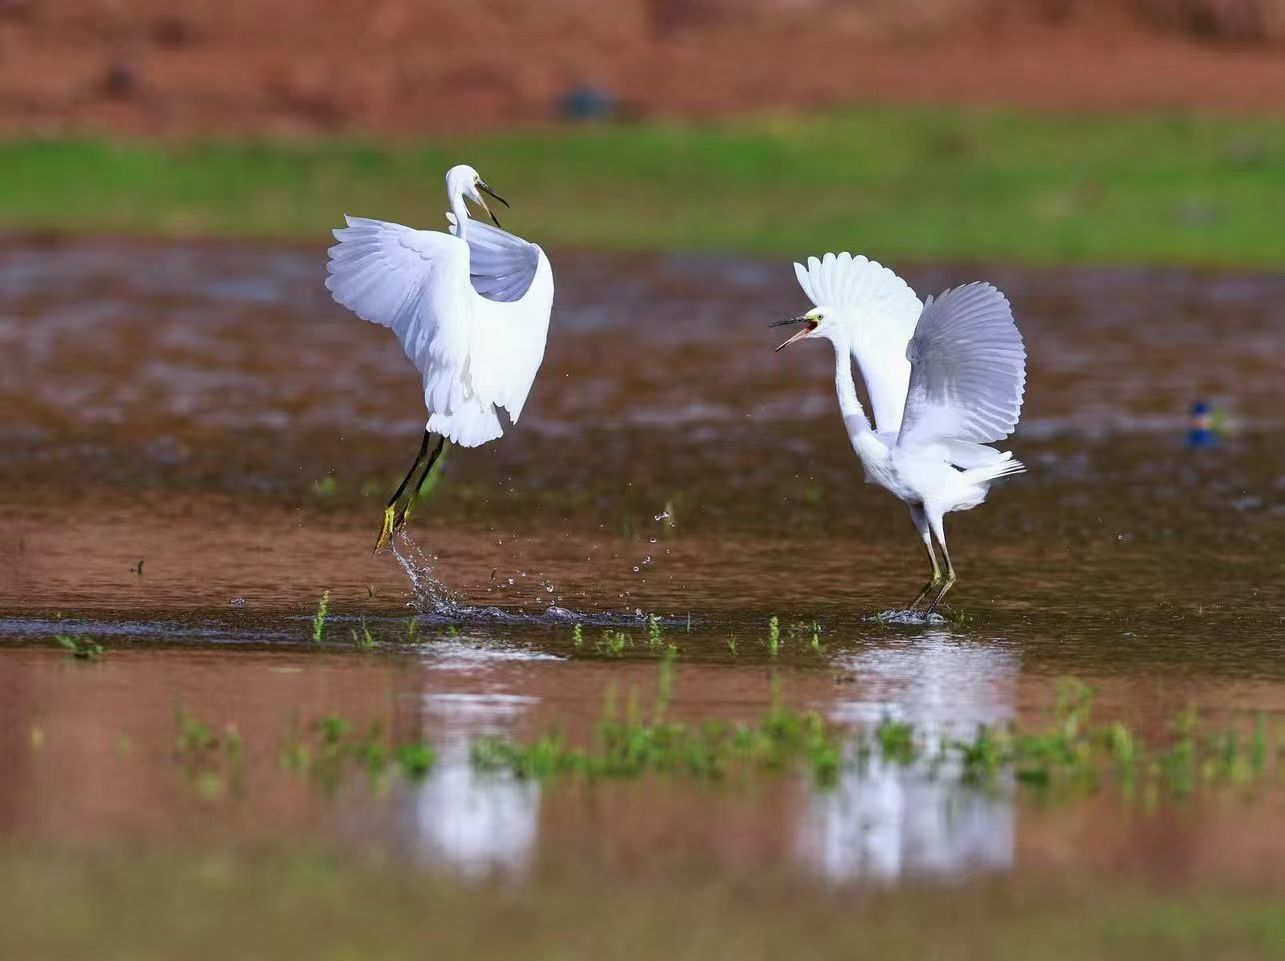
point(487, 190)
point(809, 326)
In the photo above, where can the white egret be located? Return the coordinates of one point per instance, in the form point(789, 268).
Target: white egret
point(945, 380)
point(470, 307)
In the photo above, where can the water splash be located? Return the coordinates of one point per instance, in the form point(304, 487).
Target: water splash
point(428, 594)
point(907, 618)
point(437, 603)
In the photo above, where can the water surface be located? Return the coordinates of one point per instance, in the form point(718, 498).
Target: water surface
point(206, 411)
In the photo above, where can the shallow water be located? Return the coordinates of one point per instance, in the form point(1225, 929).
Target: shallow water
point(204, 410)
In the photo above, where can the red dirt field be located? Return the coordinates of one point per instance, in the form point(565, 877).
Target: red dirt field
point(178, 68)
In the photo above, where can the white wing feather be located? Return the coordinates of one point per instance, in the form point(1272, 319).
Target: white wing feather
point(414, 282)
point(968, 370)
point(474, 353)
point(882, 310)
point(501, 265)
point(516, 287)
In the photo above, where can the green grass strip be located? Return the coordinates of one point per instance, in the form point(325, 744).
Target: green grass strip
point(912, 183)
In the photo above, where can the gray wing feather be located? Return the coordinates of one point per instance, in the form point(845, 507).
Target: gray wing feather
point(967, 369)
point(501, 265)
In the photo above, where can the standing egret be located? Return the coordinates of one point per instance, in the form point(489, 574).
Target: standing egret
point(944, 381)
point(470, 307)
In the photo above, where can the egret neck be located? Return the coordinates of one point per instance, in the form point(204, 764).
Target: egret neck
point(862, 435)
point(460, 210)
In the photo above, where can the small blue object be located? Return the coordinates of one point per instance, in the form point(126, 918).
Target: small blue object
point(1202, 432)
point(587, 103)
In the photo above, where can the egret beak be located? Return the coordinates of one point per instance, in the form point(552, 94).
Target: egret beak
point(811, 325)
point(485, 189)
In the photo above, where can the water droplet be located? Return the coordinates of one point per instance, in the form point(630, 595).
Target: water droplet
point(661, 516)
point(237, 602)
point(636, 568)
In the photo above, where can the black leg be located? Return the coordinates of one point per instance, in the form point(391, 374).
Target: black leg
point(921, 524)
point(428, 468)
point(386, 529)
point(949, 583)
point(936, 578)
point(423, 449)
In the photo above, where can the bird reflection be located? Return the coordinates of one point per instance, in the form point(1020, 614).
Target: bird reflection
point(476, 823)
point(885, 822)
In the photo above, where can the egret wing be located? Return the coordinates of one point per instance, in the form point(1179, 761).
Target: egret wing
point(414, 282)
point(509, 339)
point(501, 265)
point(472, 316)
point(967, 369)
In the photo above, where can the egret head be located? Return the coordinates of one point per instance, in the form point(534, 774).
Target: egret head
point(817, 322)
point(463, 181)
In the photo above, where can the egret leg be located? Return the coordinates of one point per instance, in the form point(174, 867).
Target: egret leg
point(950, 568)
point(921, 524)
point(433, 458)
point(386, 530)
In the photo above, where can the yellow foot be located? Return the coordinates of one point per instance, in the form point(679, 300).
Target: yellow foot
point(386, 531)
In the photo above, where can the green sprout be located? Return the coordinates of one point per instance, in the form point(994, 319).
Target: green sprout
point(364, 641)
point(81, 648)
point(319, 619)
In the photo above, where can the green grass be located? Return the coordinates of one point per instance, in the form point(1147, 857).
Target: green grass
point(81, 648)
point(307, 905)
point(319, 618)
point(1069, 757)
point(328, 750)
point(892, 182)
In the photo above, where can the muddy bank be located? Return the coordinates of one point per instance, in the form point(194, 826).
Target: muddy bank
point(406, 68)
point(205, 409)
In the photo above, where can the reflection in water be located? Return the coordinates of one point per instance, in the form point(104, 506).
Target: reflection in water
point(885, 822)
point(475, 822)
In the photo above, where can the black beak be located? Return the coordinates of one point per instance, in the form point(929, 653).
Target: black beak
point(487, 190)
point(811, 326)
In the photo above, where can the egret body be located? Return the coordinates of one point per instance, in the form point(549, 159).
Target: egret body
point(470, 308)
point(945, 380)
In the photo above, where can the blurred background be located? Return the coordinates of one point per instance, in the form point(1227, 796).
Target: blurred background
point(406, 68)
point(841, 113)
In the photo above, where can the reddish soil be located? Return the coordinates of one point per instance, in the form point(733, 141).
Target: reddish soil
point(406, 67)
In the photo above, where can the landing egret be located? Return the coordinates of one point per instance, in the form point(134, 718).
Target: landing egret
point(945, 379)
point(470, 307)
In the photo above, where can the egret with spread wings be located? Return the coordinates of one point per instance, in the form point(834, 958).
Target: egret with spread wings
point(945, 379)
point(471, 309)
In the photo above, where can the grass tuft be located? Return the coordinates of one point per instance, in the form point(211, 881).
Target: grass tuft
point(1072, 755)
point(81, 648)
point(364, 641)
point(319, 618)
point(335, 745)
